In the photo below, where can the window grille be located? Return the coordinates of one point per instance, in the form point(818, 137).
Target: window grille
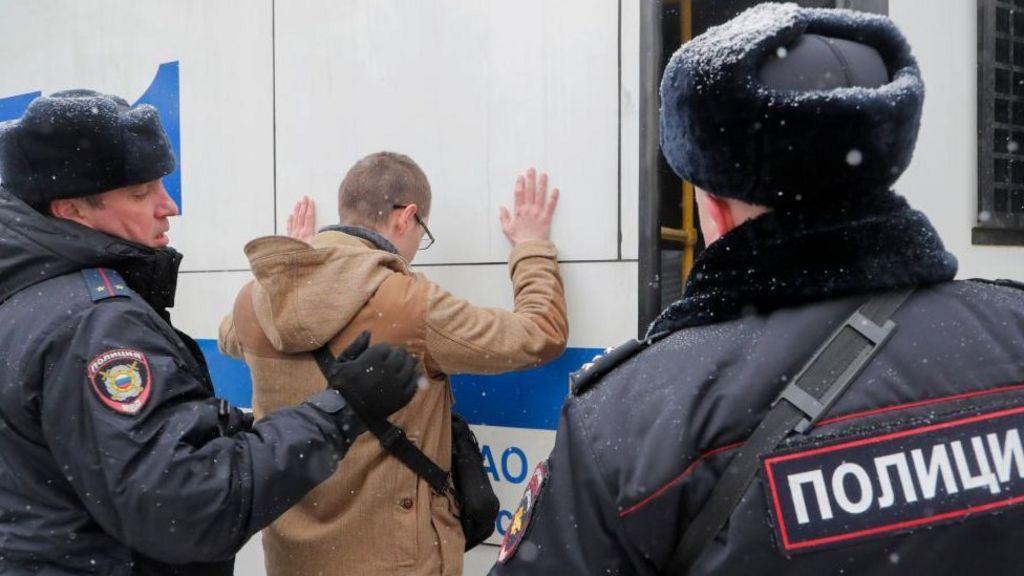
point(1000, 218)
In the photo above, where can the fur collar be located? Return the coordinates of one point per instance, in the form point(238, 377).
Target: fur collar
point(788, 258)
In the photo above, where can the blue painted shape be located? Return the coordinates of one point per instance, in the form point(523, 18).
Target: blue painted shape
point(13, 107)
point(523, 399)
point(501, 522)
point(520, 457)
point(164, 95)
point(489, 465)
point(232, 380)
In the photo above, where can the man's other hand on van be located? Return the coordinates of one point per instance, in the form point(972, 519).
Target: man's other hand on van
point(531, 216)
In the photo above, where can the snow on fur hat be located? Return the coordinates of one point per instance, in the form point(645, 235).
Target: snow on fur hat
point(78, 143)
point(727, 132)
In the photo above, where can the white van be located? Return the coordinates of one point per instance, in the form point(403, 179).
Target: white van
point(270, 100)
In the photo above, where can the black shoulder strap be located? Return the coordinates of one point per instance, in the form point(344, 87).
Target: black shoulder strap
point(392, 438)
point(808, 397)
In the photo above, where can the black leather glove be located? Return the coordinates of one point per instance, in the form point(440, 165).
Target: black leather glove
point(375, 380)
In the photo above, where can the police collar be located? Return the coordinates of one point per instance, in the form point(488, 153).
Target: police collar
point(152, 273)
point(791, 257)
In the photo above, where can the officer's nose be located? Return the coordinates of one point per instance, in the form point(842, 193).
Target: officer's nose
point(166, 207)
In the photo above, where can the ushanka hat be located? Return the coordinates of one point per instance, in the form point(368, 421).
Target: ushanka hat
point(79, 143)
point(785, 105)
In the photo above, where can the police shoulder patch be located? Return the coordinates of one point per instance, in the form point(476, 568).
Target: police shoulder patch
point(520, 522)
point(121, 380)
point(841, 492)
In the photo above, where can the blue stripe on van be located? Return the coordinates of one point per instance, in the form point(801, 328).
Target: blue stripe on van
point(231, 378)
point(524, 399)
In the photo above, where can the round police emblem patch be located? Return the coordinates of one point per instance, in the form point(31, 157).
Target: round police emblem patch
point(121, 380)
point(520, 522)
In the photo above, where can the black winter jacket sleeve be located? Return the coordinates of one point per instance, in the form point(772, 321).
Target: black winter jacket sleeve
point(164, 480)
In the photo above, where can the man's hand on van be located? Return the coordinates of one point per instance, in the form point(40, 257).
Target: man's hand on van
point(530, 219)
point(302, 220)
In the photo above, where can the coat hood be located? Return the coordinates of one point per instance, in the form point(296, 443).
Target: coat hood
point(34, 248)
point(304, 294)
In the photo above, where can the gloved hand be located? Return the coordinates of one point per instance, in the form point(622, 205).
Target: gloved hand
point(375, 380)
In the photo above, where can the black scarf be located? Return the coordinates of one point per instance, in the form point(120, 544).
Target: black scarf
point(788, 258)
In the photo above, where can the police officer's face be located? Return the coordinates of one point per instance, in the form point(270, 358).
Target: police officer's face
point(137, 213)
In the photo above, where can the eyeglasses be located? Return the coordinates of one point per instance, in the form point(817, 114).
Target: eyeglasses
point(426, 242)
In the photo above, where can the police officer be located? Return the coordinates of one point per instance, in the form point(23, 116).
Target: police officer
point(115, 457)
point(794, 123)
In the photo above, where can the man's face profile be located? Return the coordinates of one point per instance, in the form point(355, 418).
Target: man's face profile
point(137, 213)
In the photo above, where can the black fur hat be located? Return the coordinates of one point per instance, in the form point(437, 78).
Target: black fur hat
point(726, 131)
point(79, 143)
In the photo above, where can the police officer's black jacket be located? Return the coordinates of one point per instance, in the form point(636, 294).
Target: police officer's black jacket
point(115, 458)
point(917, 470)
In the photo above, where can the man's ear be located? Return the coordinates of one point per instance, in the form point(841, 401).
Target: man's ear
point(404, 219)
point(68, 209)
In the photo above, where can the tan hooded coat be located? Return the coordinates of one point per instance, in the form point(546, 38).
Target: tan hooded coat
point(374, 516)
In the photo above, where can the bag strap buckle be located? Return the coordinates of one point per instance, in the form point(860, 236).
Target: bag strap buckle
point(814, 408)
point(391, 436)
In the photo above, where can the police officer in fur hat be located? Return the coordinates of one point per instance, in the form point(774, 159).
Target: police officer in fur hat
point(722, 443)
point(115, 457)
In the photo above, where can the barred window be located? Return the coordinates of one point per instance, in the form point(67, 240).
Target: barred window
point(1000, 123)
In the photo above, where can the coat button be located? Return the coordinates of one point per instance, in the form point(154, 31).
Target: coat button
point(407, 503)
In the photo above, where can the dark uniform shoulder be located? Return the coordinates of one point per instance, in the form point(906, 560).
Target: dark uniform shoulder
point(76, 289)
point(591, 373)
point(1001, 282)
point(104, 283)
